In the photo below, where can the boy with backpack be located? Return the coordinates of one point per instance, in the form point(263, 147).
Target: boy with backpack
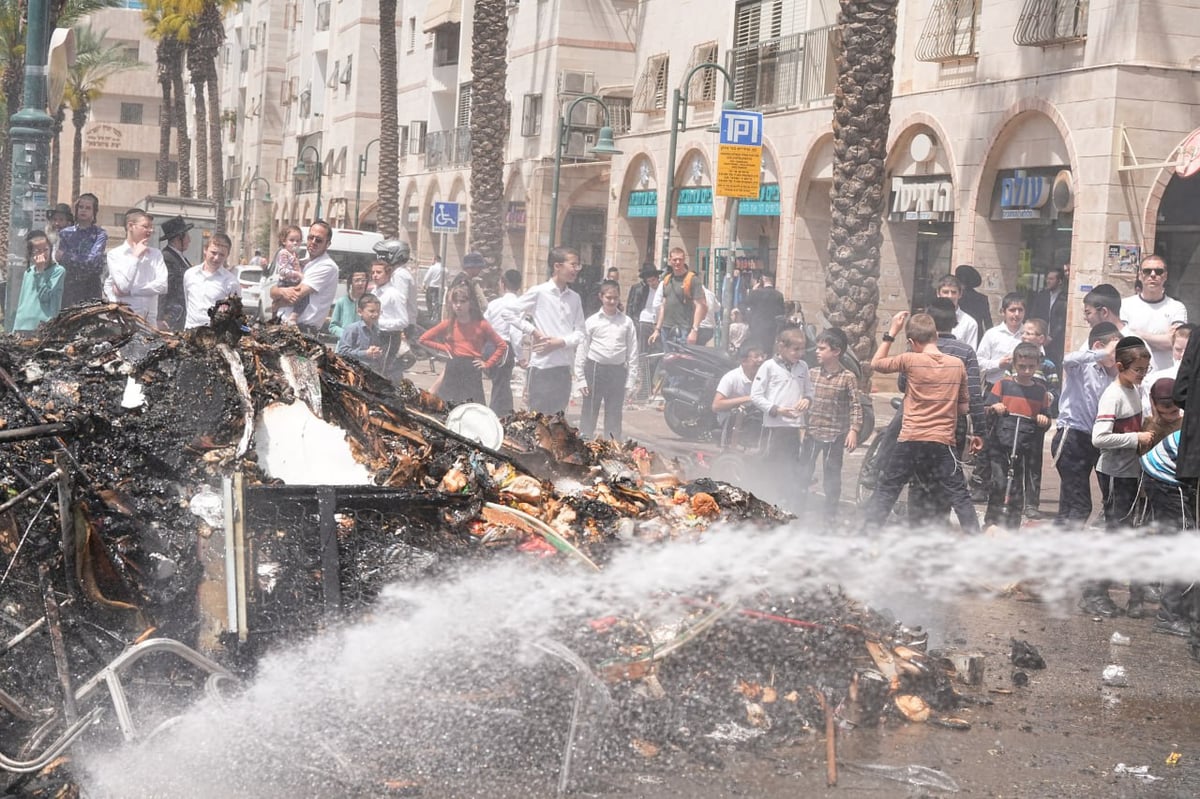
point(683, 305)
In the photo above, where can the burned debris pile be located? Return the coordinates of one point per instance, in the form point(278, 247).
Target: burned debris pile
point(232, 488)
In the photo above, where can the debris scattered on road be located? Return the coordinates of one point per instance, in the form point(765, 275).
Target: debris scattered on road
point(1025, 655)
point(1137, 772)
point(917, 776)
point(1118, 639)
point(1115, 676)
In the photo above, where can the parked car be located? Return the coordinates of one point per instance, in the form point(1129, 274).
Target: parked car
point(250, 279)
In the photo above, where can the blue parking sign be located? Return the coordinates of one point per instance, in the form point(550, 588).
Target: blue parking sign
point(742, 127)
point(445, 217)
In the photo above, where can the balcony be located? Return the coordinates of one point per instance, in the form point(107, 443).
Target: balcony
point(788, 71)
point(1048, 22)
point(447, 149)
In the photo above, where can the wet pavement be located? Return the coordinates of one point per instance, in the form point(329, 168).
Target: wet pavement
point(1064, 733)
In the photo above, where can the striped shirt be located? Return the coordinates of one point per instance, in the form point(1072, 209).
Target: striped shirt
point(1159, 462)
point(836, 408)
point(936, 395)
point(947, 343)
point(1115, 434)
point(1028, 400)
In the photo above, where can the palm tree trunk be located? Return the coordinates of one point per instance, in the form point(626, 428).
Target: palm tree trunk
point(14, 85)
point(389, 127)
point(215, 146)
point(60, 117)
point(489, 127)
point(861, 116)
point(182, 139)
point(162, 167)
point(201, 137)
point(78, 118)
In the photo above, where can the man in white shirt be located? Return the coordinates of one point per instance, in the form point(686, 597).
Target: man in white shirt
point(556, 331)
point(209, 282)
point(137, 274)
point(319, 284)
point(996, 349)
point(1152, 315)
point(966, 329)
point(504, 315)
point(435, 278)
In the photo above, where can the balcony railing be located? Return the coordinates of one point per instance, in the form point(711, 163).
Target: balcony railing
point(793, 70)
point(620, 113)
point(950, 32)
point(1047, 22)
point(447, 149)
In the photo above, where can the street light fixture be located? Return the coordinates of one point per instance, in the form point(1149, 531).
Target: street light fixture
point(362, 170)
point(679, 103)
point(246, 205)
point(604, 146)
point(301, 171)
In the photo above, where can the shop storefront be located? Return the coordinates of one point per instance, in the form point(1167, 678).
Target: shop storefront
point(693, 218)
point(1035, 206)
point(641, 213)
point(922, 218)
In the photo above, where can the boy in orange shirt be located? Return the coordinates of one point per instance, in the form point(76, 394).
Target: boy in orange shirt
point(936, 397)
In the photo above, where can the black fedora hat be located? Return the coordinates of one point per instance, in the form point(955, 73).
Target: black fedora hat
point(175, 226)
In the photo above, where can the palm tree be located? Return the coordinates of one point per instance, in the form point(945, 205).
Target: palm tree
point(95, 63)
point(489, 127)
point(389, 126)
point(861, 116)
point(162, 25)
point(204, 45)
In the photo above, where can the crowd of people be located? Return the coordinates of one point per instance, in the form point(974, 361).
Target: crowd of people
point(972, 390)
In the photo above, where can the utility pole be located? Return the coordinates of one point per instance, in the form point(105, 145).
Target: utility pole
point(30, 137)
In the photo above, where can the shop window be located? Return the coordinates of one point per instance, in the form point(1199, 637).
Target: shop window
point(950, 31)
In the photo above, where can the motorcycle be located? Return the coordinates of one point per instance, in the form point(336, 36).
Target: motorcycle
point(691, 374)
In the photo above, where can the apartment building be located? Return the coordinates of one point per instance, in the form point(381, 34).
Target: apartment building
point(1025, 135)
point(121, 135)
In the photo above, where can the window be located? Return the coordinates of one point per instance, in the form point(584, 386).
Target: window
point(651, 91)
point(412, 34)
point(416, 140)
point(131, 113)
point(949, 33)
point(445, 45)
point(1047, 22)
point(403, 140)
point(462, 118)
point(531, 115)
point(129, 168)
point(131, 52)
point(703, 88)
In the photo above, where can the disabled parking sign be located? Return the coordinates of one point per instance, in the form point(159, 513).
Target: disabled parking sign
point(445, 217)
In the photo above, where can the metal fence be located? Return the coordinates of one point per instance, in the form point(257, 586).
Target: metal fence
point(787, 71)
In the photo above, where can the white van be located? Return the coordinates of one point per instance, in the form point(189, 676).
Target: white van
point(351, 250)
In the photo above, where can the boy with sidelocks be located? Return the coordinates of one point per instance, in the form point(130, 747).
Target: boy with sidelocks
point(606, 363)
point(936, 397)
point(783, 392)
point(362, 339)
point(1118, 435)
point(1022, 406)
point(835, 419)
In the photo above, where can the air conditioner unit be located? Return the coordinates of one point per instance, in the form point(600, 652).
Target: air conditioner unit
point(587, 115)
point(572, 81)
point(579, 143)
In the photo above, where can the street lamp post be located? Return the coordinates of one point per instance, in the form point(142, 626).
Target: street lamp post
point(246, 206)
point(362, 170)
point(301, 171)
point(604, 146)
point(29, 138)
point(679, 101)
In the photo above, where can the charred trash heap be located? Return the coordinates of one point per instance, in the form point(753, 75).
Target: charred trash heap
point(174, 505)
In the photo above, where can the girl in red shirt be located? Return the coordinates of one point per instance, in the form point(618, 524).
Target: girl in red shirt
point(463, 337)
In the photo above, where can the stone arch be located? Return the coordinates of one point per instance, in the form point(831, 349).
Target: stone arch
point(516, 219)
point(635, 240)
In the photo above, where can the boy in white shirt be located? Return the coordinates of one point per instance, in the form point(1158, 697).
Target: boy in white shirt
point(783, 391)
point(606, 363)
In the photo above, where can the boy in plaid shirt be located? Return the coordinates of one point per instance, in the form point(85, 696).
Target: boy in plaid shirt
point(835, 419)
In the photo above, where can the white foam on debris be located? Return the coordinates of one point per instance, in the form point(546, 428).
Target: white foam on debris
point(296, 447)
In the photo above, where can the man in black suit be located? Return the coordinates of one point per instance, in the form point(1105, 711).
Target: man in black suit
point(174, 302)
point(1050, 304)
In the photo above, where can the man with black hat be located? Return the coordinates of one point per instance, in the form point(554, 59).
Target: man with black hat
point(639, 305)
point(173, 310)
point(971, 302)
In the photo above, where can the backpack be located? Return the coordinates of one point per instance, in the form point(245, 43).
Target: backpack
point(687, 286)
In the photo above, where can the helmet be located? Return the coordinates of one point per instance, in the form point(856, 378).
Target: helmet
point(393, 251)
